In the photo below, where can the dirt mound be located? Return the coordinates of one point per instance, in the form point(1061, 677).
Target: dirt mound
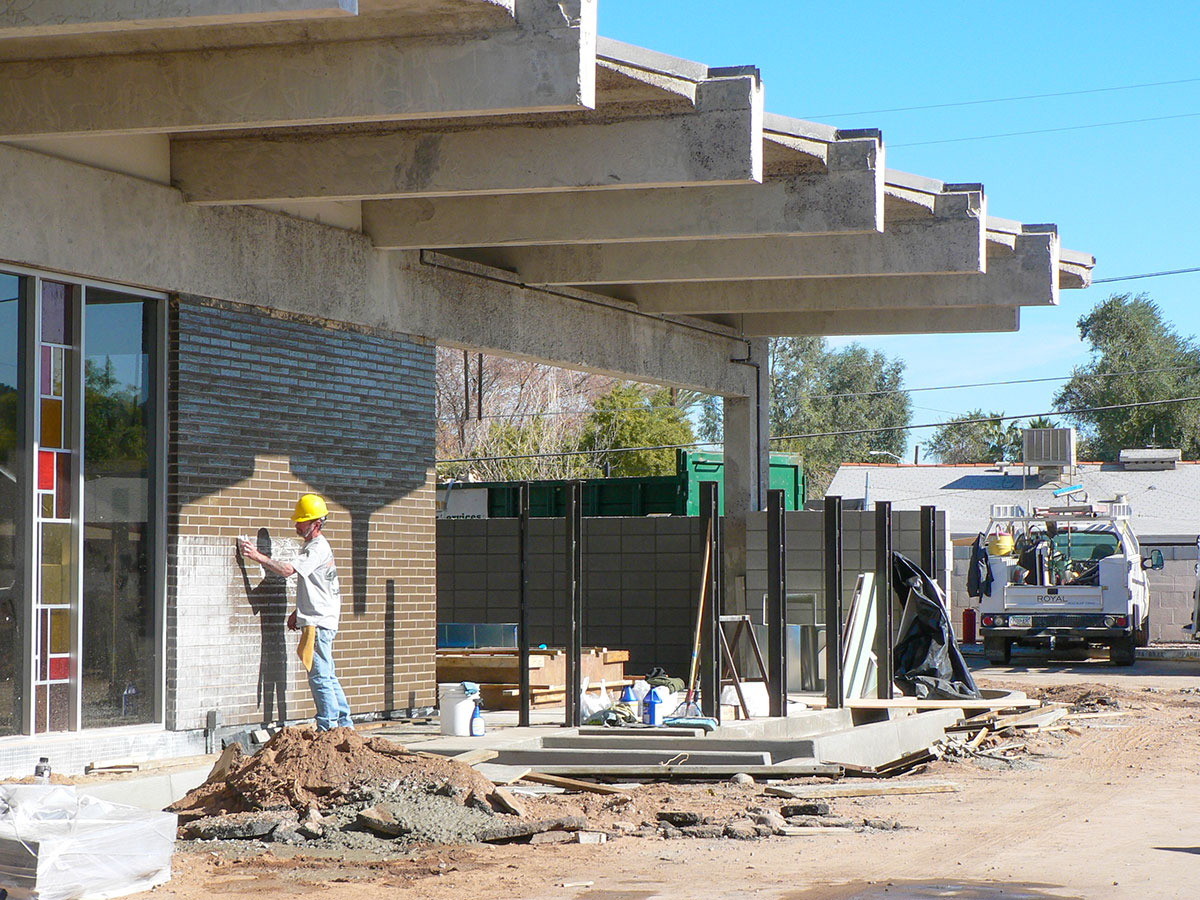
point(1081, 697)
point(301, 768)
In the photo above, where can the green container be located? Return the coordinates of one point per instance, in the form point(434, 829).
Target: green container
point(662, 495)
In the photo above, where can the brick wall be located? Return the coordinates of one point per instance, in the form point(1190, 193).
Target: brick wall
point(641, 575)
point(264, 408)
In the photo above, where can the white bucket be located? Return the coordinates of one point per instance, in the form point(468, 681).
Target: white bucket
point(455, 709)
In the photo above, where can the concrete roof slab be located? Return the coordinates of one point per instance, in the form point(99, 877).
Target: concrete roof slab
point(884, 321)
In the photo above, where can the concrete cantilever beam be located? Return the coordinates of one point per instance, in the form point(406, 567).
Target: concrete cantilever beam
point(719, 142)
point(884, 321)
point(544, 64)
point(74, 17)
point(1026, 275)
point(950, 242)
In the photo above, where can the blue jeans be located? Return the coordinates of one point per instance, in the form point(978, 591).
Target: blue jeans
point(332, 708)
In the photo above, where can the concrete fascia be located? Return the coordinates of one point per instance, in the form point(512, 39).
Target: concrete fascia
point(75, 17)
point(1025, 278)
point(887, 321)
point(70, 218)
point(844, 199)
point(720, 142)
point(953, 244)
point(546, 64)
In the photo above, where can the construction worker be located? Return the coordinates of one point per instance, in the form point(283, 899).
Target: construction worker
point(318, 608)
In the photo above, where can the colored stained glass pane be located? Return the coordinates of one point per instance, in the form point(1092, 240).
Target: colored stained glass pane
point(52, 423)
point(64, 486)
point(42, 708)
point(60, 707)
point(56, 313)
point(43, 654)
point(56, 545)
point(47, 506)
point(60, 668)
point(60, 631)
point(47, 367)
point(46, 467)
point(56, 369)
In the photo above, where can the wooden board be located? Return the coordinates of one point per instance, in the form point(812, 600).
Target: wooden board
point(498, 774)
point(858, 789)
point(573, 784)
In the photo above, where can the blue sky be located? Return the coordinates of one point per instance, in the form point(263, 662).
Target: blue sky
point(1125, 193)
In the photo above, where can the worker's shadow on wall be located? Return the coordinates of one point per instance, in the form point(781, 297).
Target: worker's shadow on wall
point(269, 602)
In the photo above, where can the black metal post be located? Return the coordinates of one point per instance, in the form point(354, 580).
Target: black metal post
point(928, 552)
point(883, 599)
point(776, 604)
point(575, 602)
point(833, 602)
point(523, 607)
point(710, 616)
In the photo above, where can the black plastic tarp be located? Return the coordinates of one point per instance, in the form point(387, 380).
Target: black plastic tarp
point(926, 660)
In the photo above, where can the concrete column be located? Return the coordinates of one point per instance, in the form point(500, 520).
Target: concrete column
point(747, 475)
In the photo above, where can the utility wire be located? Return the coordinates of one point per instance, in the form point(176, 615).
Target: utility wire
point(1124, 87)
point(985, 137)
point(1146, 275)
point(846, 433)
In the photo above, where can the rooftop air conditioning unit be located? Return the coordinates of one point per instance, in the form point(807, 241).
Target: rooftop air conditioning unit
point(1046, 448)
point(1149, 460)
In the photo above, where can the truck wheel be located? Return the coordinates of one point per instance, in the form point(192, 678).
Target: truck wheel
point(1123, 652)
point(998, 650)
point(1143, 633)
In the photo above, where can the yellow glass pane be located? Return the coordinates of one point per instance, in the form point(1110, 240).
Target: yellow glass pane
point(56, 544)
point(60, 631)
point(47, 506)
point(52, 423)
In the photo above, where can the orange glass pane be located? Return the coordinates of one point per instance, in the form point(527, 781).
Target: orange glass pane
point(52, 423)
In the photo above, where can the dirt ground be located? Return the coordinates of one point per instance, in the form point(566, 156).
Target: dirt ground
point(1108, 813)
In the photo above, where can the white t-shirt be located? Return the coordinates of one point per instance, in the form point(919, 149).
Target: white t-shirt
point(318, 594)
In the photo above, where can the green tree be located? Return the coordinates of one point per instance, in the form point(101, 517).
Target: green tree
point(975, 437)
point(1128, 334)
point(816, 389)
point(115, 422)
point(634, 416)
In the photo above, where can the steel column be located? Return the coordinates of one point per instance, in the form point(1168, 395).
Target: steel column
point(574, 602)
point(523, 607)
point(833, 602)
point(710, 616)
point(883, 599)
point(776, 604)
point(928, 531)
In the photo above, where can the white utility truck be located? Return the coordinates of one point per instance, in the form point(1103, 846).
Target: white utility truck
point(1065, 578)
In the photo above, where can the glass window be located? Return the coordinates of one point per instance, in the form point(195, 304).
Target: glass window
point(12, 490)
point(119, 620)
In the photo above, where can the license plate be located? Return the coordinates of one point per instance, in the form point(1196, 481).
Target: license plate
point(1020, 621)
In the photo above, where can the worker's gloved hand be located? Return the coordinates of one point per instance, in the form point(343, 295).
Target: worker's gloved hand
point(291, 621)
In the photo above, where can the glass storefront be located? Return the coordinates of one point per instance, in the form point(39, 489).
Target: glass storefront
point(80, 423)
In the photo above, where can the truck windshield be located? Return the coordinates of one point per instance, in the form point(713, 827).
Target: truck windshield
point(1084, 546)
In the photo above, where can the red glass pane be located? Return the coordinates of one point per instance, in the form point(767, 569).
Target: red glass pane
point(60, 668)
point(64, 486)
point(56, 313)
point(46, 466)
point(47, 368)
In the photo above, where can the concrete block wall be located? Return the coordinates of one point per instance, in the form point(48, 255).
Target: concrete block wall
point(1171, 588)
point(641, 575)
point(263, 408)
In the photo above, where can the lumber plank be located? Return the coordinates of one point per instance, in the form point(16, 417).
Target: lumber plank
point(974, 743)
point(498, 774)
point(472, 757)
point(858, 789)
point(572, 784)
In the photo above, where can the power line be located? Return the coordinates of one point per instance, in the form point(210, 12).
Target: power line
point(846, 433)
point(954, 387)
point(1124, 87)
point(1146, 275)
point(985, 137)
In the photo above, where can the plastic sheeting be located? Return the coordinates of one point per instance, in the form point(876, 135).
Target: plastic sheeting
point(56, 845)
point(926, 660)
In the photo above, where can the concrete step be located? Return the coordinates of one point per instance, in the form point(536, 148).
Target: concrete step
point(620, 757)
point(778, 749)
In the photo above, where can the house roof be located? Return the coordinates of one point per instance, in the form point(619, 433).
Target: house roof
point(1165, 504)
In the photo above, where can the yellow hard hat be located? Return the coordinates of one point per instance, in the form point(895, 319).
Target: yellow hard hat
point(309, 507)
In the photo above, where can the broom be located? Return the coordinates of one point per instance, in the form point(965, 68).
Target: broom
point(688, 706)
